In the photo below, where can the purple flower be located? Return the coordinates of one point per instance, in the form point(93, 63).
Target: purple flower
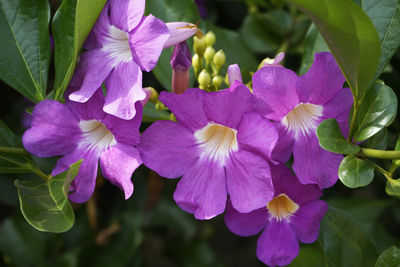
point(83, 131)
point(122, 43)
point(181, 60)
point(293, 215)
point(298, 105)
point(219, 144)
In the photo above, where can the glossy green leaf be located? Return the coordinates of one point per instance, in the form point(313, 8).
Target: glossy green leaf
point(344, 241)
point(377, 111)
point(314, 43)
point(385, 15)
point(351, 37)
point(71, 25)
point(25, 46)
point(330, 138)
point(45, 204)
point(378, 141)
point(150, 113)
point(390, 257)
point(355, 172)
point(264, 32)
point(12, 162)
point(393, 187)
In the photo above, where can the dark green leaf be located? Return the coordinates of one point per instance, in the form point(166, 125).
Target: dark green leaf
point(397, 147)
point(351, 37)
point(173, 10)
point(308, 256)
point(150, 113)
point(377, 110)
point(385, 15)
point(378, 141)
point(390, 257)
point(314, 43)
point(330, 138)
point(393, 187)
point(355, 172)
point(23, 245)
point(45, 204)
point(71, 25)
point(344, 242)
point(25, 46)
point(264, 32)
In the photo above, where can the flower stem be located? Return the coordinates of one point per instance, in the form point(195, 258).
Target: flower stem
point(379, 154)
point(13, 150)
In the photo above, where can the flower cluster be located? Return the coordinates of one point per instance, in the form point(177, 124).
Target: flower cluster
point(229, 146)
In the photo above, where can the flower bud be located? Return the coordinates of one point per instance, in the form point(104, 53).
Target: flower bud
point(160, 106)
point(272, 62)
point(151, 95)
point(196, 63)
point(217, 81)
point(204, 79)
point(234, 74)
point(210, 38)
point(172, 117)
point(219, 58)
point(199, 46)
point(209, 54)
point(180, 63)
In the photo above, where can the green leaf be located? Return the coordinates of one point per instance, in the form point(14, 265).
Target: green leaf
point(71, 25)
point(378, 141)
point(45, 204)
point(150, 113)
point(173, 10)
point(392, 187)
point(13, 163)
point(344, 241)
point(330, 138)
point(351, 37)
point(314, 43)
point(390, 257)
point(355, 172)
point(385, 15)
point(377, 110)
point(264, 32)
point(25, 46)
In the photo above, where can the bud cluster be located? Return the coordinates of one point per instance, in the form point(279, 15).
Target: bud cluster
point(207, 62)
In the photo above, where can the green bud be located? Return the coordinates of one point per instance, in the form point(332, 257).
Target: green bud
point(199, 46)
point(172, 117)
point(153, 94)
point(196, 63)
point(210, 38)
point(226, 80)
point(217, 81)
point(209, 54)
point(160, 106)
point(219, 58)
point(204, 79)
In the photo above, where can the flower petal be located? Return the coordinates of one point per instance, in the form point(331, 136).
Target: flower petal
point(284, 146)
point(257, 134)
point(306, 221)
point(202, 190)
point(277, 87)
point(339, 108)
point(179, 32)
point(125, 131)
point(278, 244)
point(96, 66)
point(147, 41)
point(90, 110)
point(314, 165)
point(187, 107)
point(124, 89)
point(234, 73)
point(84, 183)
point(54, 130)
point(118, 164)
point(126, 14)
point(227, 106)
point(322, 82)
point(245, 224)
point(249, 181)
point(286, 183)
point(168, 148)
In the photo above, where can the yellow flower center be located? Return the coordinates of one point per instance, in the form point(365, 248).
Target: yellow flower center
point(282, 207)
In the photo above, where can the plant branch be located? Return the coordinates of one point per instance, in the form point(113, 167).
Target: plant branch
point(379, 154)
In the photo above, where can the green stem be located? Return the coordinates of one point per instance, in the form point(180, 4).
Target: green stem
point(13, 150)
point(379, 154)
point(382, 170)
point(353, 120)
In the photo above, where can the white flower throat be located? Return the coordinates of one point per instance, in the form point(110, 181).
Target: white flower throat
point(216, 142)
point(303, 118)
point(117, 45)
point(96, 135)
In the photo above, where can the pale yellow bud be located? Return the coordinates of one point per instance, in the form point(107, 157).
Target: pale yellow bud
point(219, 58)
point(197, 66)
point(217, 81)
point(209, 54)
point(199, 46)
point(204, 79)
point(210, 38)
